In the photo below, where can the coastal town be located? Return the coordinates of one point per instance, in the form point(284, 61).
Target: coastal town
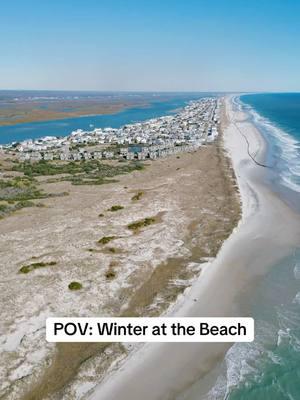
point(131, 235)
point(191, 127)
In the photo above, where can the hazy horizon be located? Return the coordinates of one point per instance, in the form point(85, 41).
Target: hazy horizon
point(148, 91)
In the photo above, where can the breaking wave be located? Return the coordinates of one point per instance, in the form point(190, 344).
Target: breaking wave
point(285, 148)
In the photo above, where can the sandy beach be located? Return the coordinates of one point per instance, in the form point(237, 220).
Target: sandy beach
point(196, 258)
point(193, 202)
point(267, 231)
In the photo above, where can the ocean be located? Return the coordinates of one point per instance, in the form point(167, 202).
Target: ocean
point(269, 367)
point(158, 104)
point(278, 118)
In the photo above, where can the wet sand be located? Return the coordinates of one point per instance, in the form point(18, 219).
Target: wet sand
point(193, 198)
point(266, 233)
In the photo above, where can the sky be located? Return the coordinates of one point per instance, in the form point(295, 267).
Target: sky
point(191, 45)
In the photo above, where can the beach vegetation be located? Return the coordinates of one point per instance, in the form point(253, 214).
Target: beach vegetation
point(137, 196)
point(20, 189)
point(4, 208)
point(135, 226)
point(31, 267)
point(75, 285)
point(106, 239)
point(24, 203)
point(9, 207)
point(84, 172)
point(115, 208)
point(110, 274)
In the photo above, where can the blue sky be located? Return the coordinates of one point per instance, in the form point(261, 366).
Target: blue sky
point(228, 45)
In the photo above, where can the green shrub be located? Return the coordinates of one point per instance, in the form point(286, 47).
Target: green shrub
point(25, 269)
point(110, 274)
point(28, 268)
point(25, 203)
point(19, 189)
point(85, 172)
point(106, 239)
point(134, 226)
point(137, 196)
point(4, 208)
point(115, 208)
point(75, 285)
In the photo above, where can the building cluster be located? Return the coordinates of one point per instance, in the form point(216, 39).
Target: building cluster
point(193, 126)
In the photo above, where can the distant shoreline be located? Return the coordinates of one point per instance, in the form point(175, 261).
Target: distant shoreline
point(20, 107)
point(60, 116)
point(139, 111)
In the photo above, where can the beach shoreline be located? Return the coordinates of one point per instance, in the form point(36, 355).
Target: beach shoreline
point(267, 231)
point(137, 273)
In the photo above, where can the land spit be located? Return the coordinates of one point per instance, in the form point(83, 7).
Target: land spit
point(193, 206)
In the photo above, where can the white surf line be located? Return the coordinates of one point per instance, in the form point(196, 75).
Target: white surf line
point(253, 157)
point(160, 371)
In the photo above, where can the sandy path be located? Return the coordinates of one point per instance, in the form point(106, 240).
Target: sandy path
point(266, 233)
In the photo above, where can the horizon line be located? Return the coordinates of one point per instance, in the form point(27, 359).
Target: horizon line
point(148, 91)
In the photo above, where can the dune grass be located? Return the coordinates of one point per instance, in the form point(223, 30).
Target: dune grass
point(31, 267)
point(106, 239)
point(115, 208)
point(136, 226)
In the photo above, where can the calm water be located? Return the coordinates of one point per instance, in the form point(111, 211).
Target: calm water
point(269, 368)
point(159, 105)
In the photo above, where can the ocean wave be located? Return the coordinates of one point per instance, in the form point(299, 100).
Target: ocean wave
point(288, 148)
point(250, 365)
point(275, 351)
point(297, 270)
point(288, 318)
point(243, 362)
point(296, 299)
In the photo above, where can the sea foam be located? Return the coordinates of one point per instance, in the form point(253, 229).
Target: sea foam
point(287, 152)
